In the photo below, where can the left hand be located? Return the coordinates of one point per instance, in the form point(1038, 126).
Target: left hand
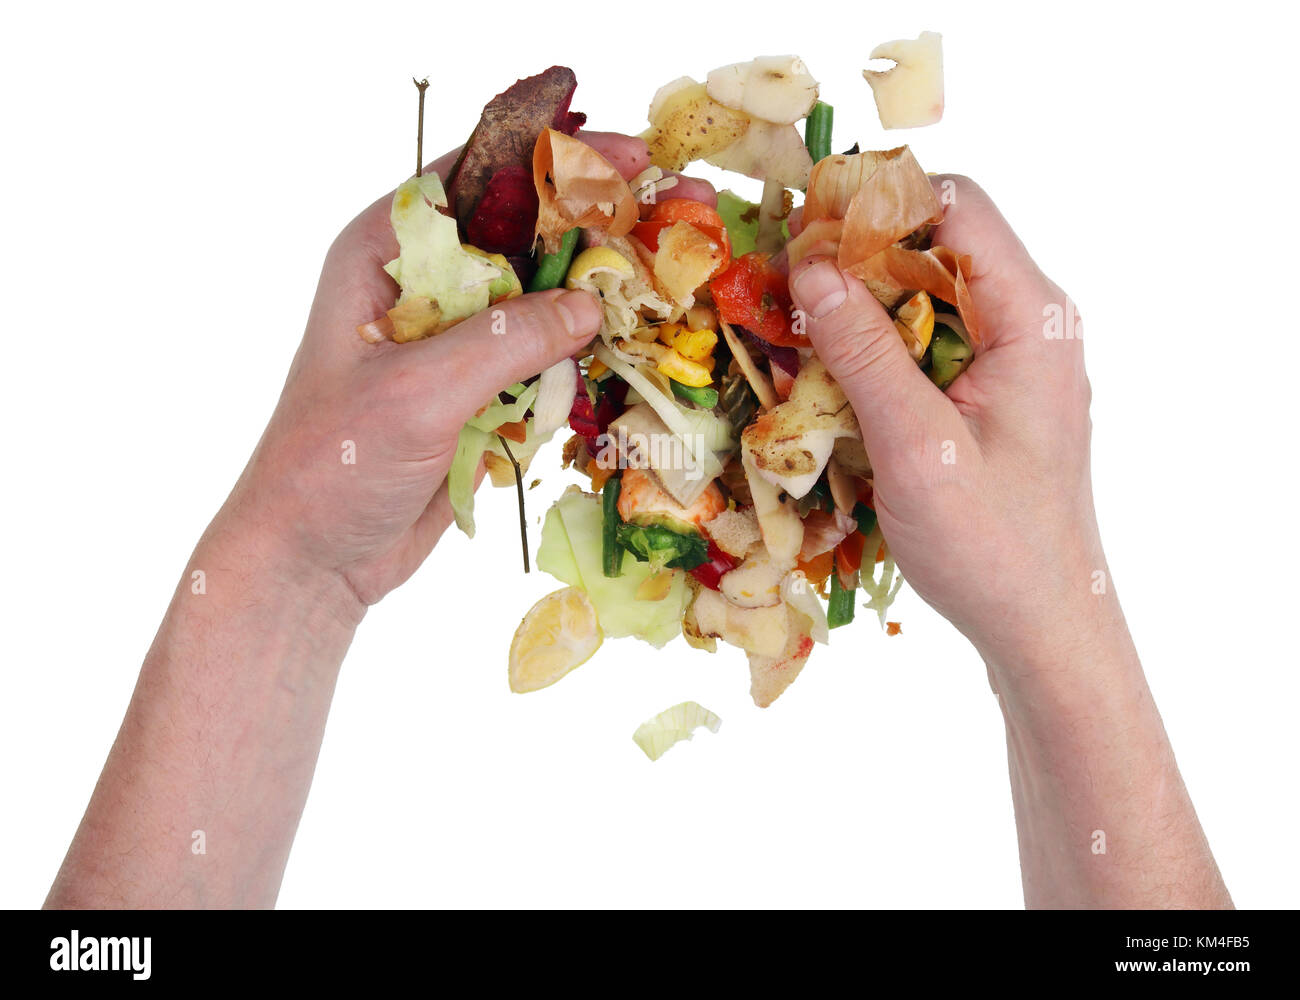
point(374, 520)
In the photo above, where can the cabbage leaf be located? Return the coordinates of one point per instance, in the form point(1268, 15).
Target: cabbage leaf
point(571, 552)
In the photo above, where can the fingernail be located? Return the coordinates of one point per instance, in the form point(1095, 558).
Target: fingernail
point(820, 289)
point(580, 313)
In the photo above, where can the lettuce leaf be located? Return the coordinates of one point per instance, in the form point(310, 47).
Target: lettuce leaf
point(479, 436)
point(431, 262)
point(741, 219)
point(662, 547)
point(571, 552)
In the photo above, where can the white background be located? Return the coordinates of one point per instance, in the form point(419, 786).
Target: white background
point(171, 181)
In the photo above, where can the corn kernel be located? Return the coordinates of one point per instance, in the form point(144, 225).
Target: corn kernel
point(668, 332)
point(686, 372)
point(695, 345)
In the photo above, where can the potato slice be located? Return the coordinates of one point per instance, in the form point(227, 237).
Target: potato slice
point(756, 582)
point(761, 631)
point(687, 124)
point(778, 516)
point(685, 260)
point(767, 152)
point(774, 88)
point(790, 444)
point(910, 93)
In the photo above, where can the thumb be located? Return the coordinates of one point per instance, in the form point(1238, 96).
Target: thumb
point(504, 344)
point(901, 412)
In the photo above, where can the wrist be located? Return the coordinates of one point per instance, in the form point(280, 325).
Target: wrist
point(254, 547)
point(1080, 664)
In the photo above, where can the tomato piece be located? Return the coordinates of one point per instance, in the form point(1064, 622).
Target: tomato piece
point(848, 554)
point(673, 210)
point(685, 210)
point(753, 294)
point(517, 431)
point(648, 233)
point(818, 568)
point(710, 573)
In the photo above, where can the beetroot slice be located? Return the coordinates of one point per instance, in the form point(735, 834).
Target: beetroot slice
point(567, 121)
point(786, 358)
point(506, 215)
point(506, 134)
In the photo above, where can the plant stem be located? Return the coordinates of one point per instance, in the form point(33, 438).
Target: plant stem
point(519, 492)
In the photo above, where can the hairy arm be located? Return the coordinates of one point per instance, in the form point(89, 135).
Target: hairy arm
point(344, 497)
point(1102, 815)
point(999, 469)
point(201, 795)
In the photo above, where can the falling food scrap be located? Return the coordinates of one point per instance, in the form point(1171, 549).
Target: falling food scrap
point(894, 628)
point(677, 723)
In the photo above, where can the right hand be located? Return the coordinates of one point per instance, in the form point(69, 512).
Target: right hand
point(983, 494)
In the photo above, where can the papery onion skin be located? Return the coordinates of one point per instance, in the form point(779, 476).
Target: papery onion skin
point(576, 186)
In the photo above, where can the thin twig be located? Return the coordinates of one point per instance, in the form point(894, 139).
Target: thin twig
point(519, 491)
point(421, 86)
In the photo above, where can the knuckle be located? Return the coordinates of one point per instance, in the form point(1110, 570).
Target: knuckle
point(523, 332)
point(526, 324)
point(856, 353)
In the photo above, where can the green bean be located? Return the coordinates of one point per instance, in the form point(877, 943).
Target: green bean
point(817, 130)
point(866, 518)
point(554, 266)
point(611, 552)
point(840, 609)
point(705, 397)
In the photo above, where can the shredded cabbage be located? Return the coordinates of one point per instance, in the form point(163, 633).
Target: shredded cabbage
point(556, 389)
point(571, 552)
point(497, 413)
point(677, 723)
point(882, 593)
point(702, 433)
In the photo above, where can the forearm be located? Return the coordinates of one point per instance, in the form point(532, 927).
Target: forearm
point(1103, 817)
point(221, 736)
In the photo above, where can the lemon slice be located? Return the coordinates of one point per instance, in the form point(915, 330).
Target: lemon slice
point(599, 266)
point(559, 633)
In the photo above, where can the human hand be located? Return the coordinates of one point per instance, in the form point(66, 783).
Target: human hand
point(373, 520)
point(983, 494)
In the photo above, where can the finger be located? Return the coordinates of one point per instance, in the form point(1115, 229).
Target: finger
point(627, 153)
point(505, 344)
point(694, 188)
point(417, 543)
point(355, 263)
point(372, 231)
point(435, 519)
point(900, 411)
point(1005, 281)
point(795, 222)
point(353, 287)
